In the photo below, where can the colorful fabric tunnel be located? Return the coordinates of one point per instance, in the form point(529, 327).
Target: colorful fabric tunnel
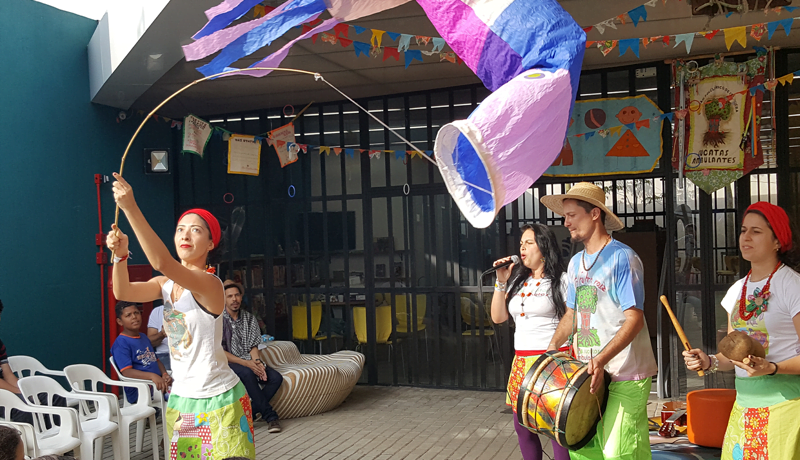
point(492, 157)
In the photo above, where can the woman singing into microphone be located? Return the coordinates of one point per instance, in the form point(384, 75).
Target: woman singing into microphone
point(535, 300)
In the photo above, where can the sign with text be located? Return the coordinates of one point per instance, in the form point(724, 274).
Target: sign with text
point(196, 134)
point(244, 155)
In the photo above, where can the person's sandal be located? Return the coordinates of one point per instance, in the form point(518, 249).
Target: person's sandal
point(274, 427)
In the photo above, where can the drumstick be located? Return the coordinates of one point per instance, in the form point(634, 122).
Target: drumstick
point(678, 328)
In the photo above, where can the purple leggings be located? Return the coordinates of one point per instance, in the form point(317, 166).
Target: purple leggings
point(531, 447)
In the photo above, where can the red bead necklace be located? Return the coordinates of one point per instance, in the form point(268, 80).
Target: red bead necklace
point(760, 300)
point(527, 294)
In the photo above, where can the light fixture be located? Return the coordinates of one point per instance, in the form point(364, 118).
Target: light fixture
point(156, 161)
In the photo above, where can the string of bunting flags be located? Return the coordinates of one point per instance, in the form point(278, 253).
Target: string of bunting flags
point(681, 114)
point(640, 14)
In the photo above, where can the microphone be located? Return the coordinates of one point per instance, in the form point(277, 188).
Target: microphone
point(514, 260)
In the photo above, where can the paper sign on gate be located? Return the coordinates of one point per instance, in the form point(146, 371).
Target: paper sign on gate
point(282, 139)
point(196, 134)
point(244, 155)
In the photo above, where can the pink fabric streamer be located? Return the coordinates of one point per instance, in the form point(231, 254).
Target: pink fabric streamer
point(275, 59)
point(210, 44)
point(223, 7)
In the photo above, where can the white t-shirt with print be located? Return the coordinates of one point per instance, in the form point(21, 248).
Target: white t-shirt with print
point(535, 330)
point(155, 321)
point(613, 284)
point(774, 327)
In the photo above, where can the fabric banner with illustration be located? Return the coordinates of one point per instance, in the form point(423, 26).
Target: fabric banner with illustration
point(611, 136)
point(244, 155)
point(721, 125)
point(282, 140)
point(196, 134)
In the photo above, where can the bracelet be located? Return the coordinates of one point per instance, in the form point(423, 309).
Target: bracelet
point(120, 259)
point(713, 364)
point(776, 368)
point(498, 286)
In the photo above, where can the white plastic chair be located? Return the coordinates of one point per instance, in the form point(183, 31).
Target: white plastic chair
point(156, 401)
point(79, 375)
point(66, 439)
point(28, 437)
point(25, 366)
point(92, 429)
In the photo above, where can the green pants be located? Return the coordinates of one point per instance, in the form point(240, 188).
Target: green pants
point(623, 433)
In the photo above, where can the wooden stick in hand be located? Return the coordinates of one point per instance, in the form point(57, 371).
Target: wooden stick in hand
point(678, 328)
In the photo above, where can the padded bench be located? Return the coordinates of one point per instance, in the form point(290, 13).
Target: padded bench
point(312, 384)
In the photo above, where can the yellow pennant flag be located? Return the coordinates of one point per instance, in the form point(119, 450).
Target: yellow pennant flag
point(259, 11)
point(325, 149)
point(786, 79)
point(735, 34)
point(377, 35)
point(615, 130)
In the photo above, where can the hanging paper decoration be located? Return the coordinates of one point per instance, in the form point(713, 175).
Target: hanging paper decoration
point(629, 138)
point(196, 134)
point(282, 140)
point(244, 155)
point(723, 130)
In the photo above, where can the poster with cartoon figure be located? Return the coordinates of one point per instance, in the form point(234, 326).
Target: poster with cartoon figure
point(611, 136)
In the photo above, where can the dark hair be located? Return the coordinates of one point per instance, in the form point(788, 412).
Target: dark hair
point(554, 267)
point(9, 442)
point(233, 284)
point(122, 305)
point(791, 257)
point(588, 208)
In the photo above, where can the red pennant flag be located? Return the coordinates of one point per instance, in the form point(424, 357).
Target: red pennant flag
point(711, 34)
point(341, 30)
point(391, 52)
point(337, 151)
point(666, 40)
point(345, 42)
point(590, 43)
point(306, 28)
point(314, 38)
point(643, 123)
point(314, 22)
point(587, 29)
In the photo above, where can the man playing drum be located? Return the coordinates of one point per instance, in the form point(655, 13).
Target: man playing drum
point(606, 287)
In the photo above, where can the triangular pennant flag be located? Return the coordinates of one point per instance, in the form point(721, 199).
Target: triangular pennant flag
point(314, 22)
point(630, 126)
point(258, 11)
point(770, 85)
point(615, 130)
point(405, 40)
point(391, 52)
point(757, 31)
point(796, 72)
point(590, 43)
point(786, 79)
point(629, 43)
point(399, 154)
point(374, 154)
point(329, 38)
point(643, 123)
point(448, 57)
point(361, 47)
point(361, 150)
point(345, 42)
point(645, 42)
point(341, 30)
point(669, 116)
point(303, 147)
point(637, 14)
point(710, 35)
point(759, 88)
point(681, 114)
point(393, 35)
point(687, 39)
point(423, 40)
point(438, 44)
point(359, 29)
point(429, 153)
point(412, 55)
point(651, 3)
point(427, 53)
point(600, 28)
point(306, 28)
point(621, 18)
point(377, 35)
point(773, 26)
point(337, 151)
point(735, 34)
point(325, 149)
point(606, 46)
point(790, 8)
point(589, 135)
point(349, 152)
point(588, 29)
point(665, 40)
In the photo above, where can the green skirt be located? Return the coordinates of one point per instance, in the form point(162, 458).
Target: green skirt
point(211, 428)
point(764, 423)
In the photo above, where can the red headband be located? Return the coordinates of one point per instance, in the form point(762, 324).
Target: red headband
point(211, 221)
point(778, 220)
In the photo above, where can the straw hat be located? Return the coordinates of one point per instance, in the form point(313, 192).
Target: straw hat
point(589, 193)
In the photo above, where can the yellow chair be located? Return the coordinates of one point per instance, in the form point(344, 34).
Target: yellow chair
point(403, 313)
point(300, 322)
point(383, 324)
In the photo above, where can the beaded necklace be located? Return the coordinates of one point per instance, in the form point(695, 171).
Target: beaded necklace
point(583, 256)
point(524, 294)
point(759, 301)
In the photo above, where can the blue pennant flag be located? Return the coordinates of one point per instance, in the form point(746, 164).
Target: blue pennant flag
point(222, 20)
point(629, 43)
point(361, 47)
point(790, 8)
point(773, 26)
point(428, 152)
point(636, 14)
point(630, 126)
point(588, 135)
point(669, 115)
point(359, 29)
point(728, 14)
point(399, 154)
point(393, 35)
point(760, 50)
point(796, 73)
point(263, 35)
point(412, 55)
point(350, 152)
point(759, 88)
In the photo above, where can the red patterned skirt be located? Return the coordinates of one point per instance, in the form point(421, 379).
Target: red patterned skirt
point(523, 360)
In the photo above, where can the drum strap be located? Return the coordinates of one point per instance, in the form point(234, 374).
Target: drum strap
point(526, 353)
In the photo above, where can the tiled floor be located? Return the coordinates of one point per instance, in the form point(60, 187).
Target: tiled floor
point(395, 423)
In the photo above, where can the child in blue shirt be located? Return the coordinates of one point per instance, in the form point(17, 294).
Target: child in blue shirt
point(133, 353)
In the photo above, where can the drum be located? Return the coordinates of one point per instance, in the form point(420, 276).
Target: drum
point(554, 400)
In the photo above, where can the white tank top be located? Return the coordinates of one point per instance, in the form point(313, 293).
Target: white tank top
point(199, 365)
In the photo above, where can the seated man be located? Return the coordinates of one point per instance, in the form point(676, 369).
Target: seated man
point(158, 336)
point(133, 353)
point(8, 381)
point(240, 339)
